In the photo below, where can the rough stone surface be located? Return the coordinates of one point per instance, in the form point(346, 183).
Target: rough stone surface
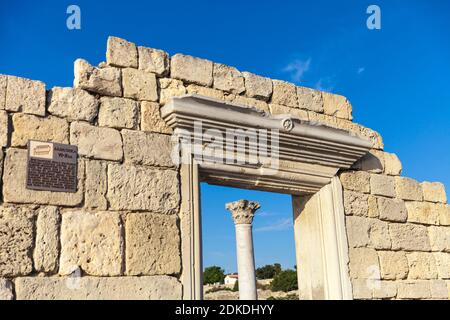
point(442, 264)
point(361, 289)
point(257, 87)
point(444, 214)
point(152, 242)
point(192, 70)
point(356, 181)
point(422, 212)
point(28, 127)
point(373, 207)
point(408, 189)
point(276, 109)
point(439, 290)
point(434, 192)
point(139, 148)
point(73, 104)
point(46, 249)
point(153, 60)
point(3, 82)
point(385, 290)
point(170, 88)
point(95, 142)
point(3, 129)
point(439, 238)
point(379, 235)
point(118, 113)
point(141, 188)
point(382, 185)
point(228, 79)
point(337, 106)
point(355, 203)
point(394, 265)
point(105, 81)
point(409, 237)
point(373, 162)
point(310, 99)
point(358, 229)
point(251, 103)
point(284, 93)
point(419, 289)
point(392, 210)
point(16, 241)
point(14, 181)
point(24, 95)
point(392, 164)
point(96, 188)
point(421, 265)
point(139, 85)
point(151, 118)
point(92, 242)
point(98, 288)
point(363, 263)
point(6, 290)
point(121, 53)
point(207, 92)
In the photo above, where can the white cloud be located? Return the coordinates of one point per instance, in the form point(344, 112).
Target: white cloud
point(297, 69)
point(361, 70)
point(280, 225)
point(325, 84)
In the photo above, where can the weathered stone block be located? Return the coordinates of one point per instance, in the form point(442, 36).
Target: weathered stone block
point(14, 182)
point(3, 82)
point(99, 288)
point(392, 164)
point(139, 85)
point(356, 181)
point(337, 106)
point(422, 212)
point(6, 290)
point(118, 113)
point(151, 149)
point(408, 189)
point(384, 290)
point(434, 192)
point(444, 214)
point(96, 188)
point(153, 60)
point(153, 244)
point(73, 104)
point(284, 93)
point(373, 207)
point(363, 263)
point(439, 238)
point(170, 88)
point(46, 249)
point(207, 92)
point(141, 188)
point(276, 109)
point(16, 241)
point(310, 99)
point(191, 70)
point(24, 95)
point(382, 185)
point(28, 127)
point(121, 53)
point(439, 290)
point(362, 289)
point(104, 81)
point(250, 103)
point(151, 118)
point(394, 265)
point(442, 264)
point(418, 289)
point(3, 129)
point(373, 161)
point(92, 242)
point(95, 142)
point(421, 265)
point(355, 203)
point(358, 229)
point(409, 237)
point(379, 235)
point(257, 87)
point(392, 210)
point(228, 79)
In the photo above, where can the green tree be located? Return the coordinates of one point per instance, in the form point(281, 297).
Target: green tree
point(236, 286)
point(285, 281)
point(213, 274)
point(268, 271)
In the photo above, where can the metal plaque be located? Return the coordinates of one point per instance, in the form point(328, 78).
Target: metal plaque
point(52, 166)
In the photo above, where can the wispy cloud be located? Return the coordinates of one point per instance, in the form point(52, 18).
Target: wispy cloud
point(325, 84)
point(298, 68)
point(280, 225)
point(361, 70)
point(266, 214)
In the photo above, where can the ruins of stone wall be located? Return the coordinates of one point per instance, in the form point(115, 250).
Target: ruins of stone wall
point(120, 230)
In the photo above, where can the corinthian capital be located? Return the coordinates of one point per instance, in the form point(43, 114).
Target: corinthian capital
point(242, 211)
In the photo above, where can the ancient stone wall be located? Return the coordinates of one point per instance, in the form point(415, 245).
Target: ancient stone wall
point(118, 236)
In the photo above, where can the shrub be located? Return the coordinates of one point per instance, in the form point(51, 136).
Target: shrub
point(268, 271)
point(285, 281)
point(236, 286)
point(213, 275)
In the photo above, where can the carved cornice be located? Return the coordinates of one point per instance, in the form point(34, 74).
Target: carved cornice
point(242, 211)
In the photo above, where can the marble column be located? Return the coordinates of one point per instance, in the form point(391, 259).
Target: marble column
point(243, 212)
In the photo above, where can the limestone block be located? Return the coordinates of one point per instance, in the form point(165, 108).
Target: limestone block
point(439, 238)
point(382, 185)
point(379, 235)
point(46, 249)
point(444, 214)
point(337, 106)
point(394, 265)
point(373, 161)
point(170, 88)
point(28, 127)
point(207, 92)
point(14, 182)
point(422, 212)
point(118, 113)
point(96, 188)
point(276, 109)
point(99, 288)
point(356, 203)
point(24, 95)
point(1, 162)
point(362, 289)
point(363, 263)
point(284, 93)
point(358, 229)
point(153, 244)
point(408, 189)
point(191, 70)
point(356, 181)
point(151, 118)
point(228, 79)
point(409, 237)
point(150, 149)
point(6, 290)
point(434, 192)
point(105, 81)
point(16, 241)
point(92, 242)
point(421, 265)
point(139, 85)
point(3, 129)
point(73, 104)
point(153, 60)
point(373, 207)
point(439, 290)
point(251, 103)
point(384, 290)
point(310, 99)
point(392, 209)
point(3, 82)
point(95, 142)
point(142, 188)
point(121, 53)
point(257, 87)
point(418, 289)
point(442, 264)
point(392, 164)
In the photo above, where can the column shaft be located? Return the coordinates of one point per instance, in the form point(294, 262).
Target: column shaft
point(246, 262)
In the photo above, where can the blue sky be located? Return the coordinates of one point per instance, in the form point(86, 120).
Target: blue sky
point(397, 78)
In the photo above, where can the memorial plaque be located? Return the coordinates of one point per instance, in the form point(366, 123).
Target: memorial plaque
point(52, 166)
